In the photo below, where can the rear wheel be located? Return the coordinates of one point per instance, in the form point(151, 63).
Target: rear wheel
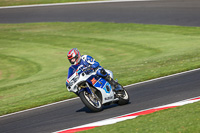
point(91, 101)
point(123, 97)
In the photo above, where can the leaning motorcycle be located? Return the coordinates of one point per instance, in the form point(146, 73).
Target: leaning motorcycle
point(94, 91)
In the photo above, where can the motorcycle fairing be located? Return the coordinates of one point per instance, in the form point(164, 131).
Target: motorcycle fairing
point(106, 90)
point(102, 83)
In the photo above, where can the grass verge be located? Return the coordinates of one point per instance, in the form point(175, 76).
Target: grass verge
point(184, 119)
point(33, 62)
point(32, 2)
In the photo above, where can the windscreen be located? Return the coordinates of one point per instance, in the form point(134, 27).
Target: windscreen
point(72, 70)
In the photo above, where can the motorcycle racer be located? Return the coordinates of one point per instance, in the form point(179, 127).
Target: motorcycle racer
point(88, 64)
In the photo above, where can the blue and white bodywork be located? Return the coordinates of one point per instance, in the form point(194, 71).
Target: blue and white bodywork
point(94, 90)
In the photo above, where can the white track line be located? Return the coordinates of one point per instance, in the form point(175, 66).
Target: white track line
point(39, 107)
point(78, 97)
point(71, 3)
point(176, 74)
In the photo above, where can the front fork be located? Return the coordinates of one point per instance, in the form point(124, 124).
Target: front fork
point(90, 90)
point(87, 89)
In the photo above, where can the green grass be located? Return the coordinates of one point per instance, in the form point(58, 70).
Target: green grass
point(183, 119)
point(33, 57)
point(31, 2)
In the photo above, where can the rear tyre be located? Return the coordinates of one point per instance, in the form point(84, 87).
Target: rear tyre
point(91, 101)
point(123, 97)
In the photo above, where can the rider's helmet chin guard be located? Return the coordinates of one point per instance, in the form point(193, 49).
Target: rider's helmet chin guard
point(74, 54)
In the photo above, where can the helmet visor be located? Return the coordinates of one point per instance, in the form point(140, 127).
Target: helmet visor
point(72, 60)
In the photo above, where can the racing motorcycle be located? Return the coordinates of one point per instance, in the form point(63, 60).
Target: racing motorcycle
point(94, 91)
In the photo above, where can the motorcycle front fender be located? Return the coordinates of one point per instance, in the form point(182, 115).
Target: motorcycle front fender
point(85, 89)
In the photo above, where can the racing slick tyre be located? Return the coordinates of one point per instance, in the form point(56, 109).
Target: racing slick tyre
point(91, 101)
point(123, 97)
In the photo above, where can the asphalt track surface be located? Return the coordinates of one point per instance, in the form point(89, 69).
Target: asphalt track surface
point(145, 95)
point(73, 113)
point(167, 12)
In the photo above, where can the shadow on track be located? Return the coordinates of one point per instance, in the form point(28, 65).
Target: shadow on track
point(85, 109)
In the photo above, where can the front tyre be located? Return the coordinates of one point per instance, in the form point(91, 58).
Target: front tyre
point(91, 101)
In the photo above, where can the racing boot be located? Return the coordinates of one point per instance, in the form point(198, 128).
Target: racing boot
point(116, 85)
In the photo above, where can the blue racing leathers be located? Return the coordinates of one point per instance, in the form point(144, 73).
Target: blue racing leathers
point(87, 62)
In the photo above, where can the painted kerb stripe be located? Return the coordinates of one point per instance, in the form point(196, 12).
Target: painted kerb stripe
point(128, 116)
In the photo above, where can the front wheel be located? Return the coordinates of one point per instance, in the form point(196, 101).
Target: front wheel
point(123, 97)
point(91, 101)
